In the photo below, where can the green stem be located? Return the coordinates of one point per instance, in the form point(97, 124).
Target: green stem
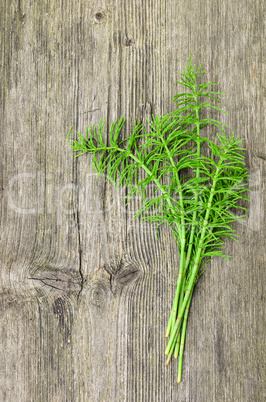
point(177, 346)
point(173, 313)
point(172, 348)
point(182, 343)
point(180, 280)
point(194, 216)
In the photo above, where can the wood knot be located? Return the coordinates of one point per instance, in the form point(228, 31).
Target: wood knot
point(126, 275)
point(99, 17)
point(98, 293)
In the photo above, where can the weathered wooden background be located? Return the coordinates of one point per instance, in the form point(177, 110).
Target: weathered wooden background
point(86, 289)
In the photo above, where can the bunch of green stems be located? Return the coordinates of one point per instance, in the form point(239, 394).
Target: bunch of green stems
point(197, 207)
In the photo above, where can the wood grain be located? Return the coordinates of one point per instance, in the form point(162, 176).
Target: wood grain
point(86, 289)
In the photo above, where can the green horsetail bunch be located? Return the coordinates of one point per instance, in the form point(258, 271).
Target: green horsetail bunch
point(206, 181)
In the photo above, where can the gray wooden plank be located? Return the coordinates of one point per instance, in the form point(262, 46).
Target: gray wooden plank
point(85, 288)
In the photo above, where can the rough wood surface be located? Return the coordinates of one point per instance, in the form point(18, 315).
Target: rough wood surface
point(85, 288)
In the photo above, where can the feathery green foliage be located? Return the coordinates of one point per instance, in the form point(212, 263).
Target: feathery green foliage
point(198, 207)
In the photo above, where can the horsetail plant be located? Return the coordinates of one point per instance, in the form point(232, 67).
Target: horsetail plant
point(198, 207)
